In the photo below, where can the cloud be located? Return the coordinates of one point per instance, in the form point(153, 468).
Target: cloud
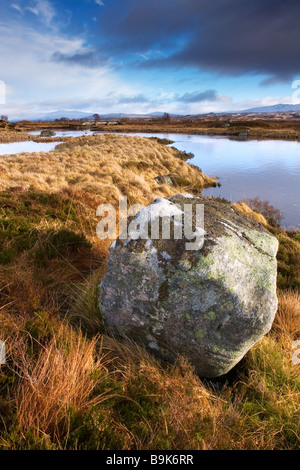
point(85, 58)
point(107, 101)
point(142, 56)
point(132, 99)
point(229, 37)
point(99, 2)
point(198, 97)
point(17, 7)
point(44, 10)
point(31, 52)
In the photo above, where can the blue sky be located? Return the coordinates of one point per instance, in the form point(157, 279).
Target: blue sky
point(141, 56)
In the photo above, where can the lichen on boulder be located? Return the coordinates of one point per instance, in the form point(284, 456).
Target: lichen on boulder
point(210, 304)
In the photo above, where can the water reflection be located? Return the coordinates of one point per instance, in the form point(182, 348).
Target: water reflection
point(268, 169)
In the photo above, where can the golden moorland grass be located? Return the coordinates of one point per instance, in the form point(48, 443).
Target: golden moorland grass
point(10, 135)
point(254, 129)
point(245, 209)
point(67, 383)
point(61, 378)
point(287, 322)
point(71, 392)
point(106, 165)
point(272, 127)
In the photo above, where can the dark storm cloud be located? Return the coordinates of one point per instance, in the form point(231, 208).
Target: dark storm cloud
point(208, 95)
point(231, 37)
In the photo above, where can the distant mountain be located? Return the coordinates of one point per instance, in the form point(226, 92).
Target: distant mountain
point(56, 115)
point(89, 116)
point(157, 114)
point(123, 115)
point(277, 108)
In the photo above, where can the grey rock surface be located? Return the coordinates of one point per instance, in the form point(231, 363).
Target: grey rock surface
point(211, 304)
point(47, 133)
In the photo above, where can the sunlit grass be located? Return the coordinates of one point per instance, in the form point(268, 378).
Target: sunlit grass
point(107, 165)
point(67, 383)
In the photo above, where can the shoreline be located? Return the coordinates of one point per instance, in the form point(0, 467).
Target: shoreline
point(37, 139)
point(63, 144)
point(248, 129)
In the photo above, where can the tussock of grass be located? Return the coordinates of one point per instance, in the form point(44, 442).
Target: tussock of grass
point(287, 321)
point(272, 214)
point(10, 135)
point(288, 258)
point(85, 309)
point(60, 380)
point(55, 371)
point(245, 209)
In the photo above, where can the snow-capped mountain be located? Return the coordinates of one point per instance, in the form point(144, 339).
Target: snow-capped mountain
point(277, 108)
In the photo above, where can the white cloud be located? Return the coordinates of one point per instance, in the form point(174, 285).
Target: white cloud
point(36, 83)
point(44, 10)
point(2, 92)
point(99, 2)
point(271, 100)
point(17, 7)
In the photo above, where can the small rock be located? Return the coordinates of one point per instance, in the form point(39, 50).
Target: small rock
point(47, 133)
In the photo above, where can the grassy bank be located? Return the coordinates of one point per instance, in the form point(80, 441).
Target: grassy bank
point(67, 383)
point(106, 165)
point(250, 129)
point(8, 136)
point(242, 127)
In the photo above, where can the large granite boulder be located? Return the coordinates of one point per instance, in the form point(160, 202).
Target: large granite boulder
point(211, 303)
